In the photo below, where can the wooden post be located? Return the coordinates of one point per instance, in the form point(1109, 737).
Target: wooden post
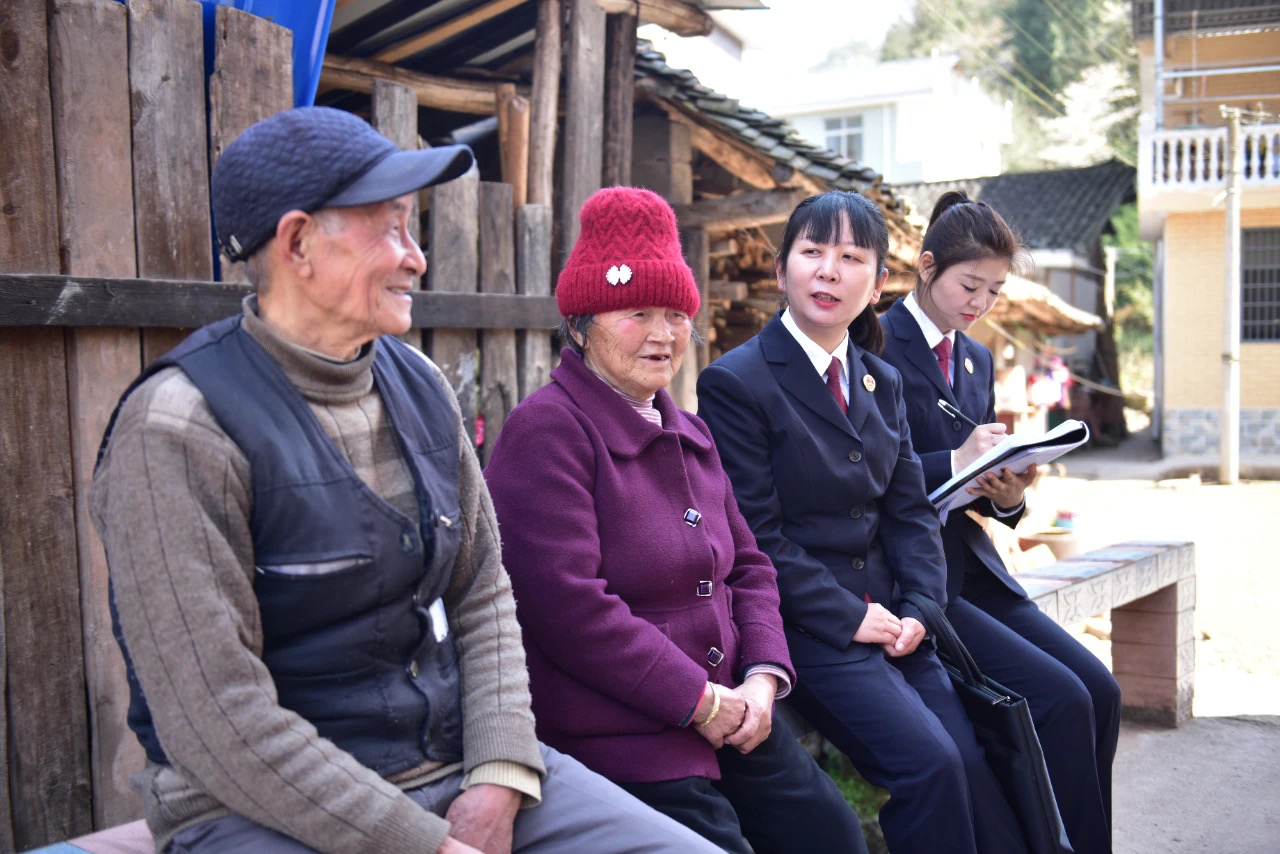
point(620, 96)
point(47, 766)
point(89, 64)
point(499, 386)
point(395, 116)
point(662, 158)
point(252, 79)
point(583, 121)
point(544, 101)
point(452, 237)
point(513, 142)
point(533, 277)
point(684, 385)
point(170, 161)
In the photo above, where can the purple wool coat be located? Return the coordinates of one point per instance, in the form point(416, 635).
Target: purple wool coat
point(627, 609)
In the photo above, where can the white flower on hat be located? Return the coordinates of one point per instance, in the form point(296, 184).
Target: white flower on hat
point(618, 275)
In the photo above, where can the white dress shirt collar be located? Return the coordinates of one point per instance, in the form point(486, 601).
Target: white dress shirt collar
point(817, 354)
point(932, 334)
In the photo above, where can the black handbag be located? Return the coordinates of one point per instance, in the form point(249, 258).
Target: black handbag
point(1002, 721)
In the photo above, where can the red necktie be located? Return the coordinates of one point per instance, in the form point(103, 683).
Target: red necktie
point(833, 385)
point(943, 352)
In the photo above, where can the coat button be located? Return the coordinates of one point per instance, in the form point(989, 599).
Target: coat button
point(692, 517)
point(955, 425)
point(714, 656)
point(855, 513)
point(413, 669)
point(704, 588)
point(855, 456)
point(857, 563)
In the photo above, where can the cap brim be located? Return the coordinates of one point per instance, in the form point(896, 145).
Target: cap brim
point(404, 172)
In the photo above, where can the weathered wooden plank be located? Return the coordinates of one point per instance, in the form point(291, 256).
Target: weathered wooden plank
point(172, 305)
point(513, 142)
point(394, 114)
point(6, 822)
point(619, 98)
point(447, 30)
point(89, 50)
point(499, 383)
point(544, 102)
point(748, 165)
point(697, 252)
point(533, 277)
point(170, 157)
point(452, 239)
point(679, 17)
point(663, 159)
point(440, 93)
point(252, 79)
point(583, 116)
point(47, 754)
point(745, 210)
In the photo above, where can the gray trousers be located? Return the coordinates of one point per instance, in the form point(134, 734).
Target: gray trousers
point(580, 812)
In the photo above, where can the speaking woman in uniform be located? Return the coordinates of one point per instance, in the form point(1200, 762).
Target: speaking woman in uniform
point(811, 429)
point(967, 253)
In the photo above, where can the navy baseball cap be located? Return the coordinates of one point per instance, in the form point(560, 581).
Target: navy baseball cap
point(309, 158)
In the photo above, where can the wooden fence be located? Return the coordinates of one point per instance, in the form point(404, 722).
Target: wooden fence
point(106, 261)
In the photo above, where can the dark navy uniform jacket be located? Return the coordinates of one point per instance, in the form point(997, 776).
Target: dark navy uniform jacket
point(837, 502)
point(937, 434)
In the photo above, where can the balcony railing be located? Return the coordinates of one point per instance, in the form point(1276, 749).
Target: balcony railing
point(1172, 160)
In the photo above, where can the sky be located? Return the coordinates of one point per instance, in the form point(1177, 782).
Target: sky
point(790, 35)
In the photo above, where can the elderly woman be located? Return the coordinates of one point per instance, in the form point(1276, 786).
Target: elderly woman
point(650, 618)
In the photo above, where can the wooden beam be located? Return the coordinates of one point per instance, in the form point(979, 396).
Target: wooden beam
point(619, 98)
point(583, 116)
point(499, 372)
point(440, 93)
point(89, 61)
point(680, 18)
point(748, 164)
point(543, 105)
point(533, 277)
point(453, 236)
point(513, 142)
point(447, 30)
point(746, 210)
point(32, 299)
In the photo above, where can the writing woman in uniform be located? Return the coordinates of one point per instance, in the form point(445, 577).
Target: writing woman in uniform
point(811, 428)
point(650, 618)
point(967, 253)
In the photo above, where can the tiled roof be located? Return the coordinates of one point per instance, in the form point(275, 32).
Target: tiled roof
point(772, 137)
point(1053, 209)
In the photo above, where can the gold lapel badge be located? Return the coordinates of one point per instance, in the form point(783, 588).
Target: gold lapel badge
point(968, 364)
point(869, 382)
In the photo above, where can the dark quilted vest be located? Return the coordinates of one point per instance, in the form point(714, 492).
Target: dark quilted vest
point(345, 583)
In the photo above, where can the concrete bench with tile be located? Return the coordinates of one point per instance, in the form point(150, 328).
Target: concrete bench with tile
point(1150, 589)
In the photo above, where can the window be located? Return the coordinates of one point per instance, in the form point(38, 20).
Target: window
point(844, 136)
point(1260, 284)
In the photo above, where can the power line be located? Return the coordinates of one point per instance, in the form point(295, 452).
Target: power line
point(1088, 43)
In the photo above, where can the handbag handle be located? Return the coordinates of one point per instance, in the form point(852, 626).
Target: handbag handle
point(945, 636)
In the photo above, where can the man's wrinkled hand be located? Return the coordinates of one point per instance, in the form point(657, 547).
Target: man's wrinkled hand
point(482, 818)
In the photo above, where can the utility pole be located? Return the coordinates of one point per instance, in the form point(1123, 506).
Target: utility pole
point(1157, 38)
point(1229, 443)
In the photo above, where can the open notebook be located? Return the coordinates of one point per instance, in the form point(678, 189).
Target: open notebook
point(1016, 453)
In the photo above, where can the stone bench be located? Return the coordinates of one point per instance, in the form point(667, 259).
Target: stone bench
point(1150, 589)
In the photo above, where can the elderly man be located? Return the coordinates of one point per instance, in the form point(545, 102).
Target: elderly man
point(306, 572)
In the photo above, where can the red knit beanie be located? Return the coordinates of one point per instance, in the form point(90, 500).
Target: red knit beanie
point(627, 256)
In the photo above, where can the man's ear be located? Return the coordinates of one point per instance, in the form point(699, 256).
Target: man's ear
point(293, 244)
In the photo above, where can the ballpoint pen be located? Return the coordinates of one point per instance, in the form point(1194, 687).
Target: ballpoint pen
point(955, 413)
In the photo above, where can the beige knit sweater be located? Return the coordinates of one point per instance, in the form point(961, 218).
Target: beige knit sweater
point(172, 502)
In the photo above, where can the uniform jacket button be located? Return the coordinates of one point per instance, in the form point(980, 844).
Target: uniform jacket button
point(857, 563)
point(955, 425)
point(855, 456)
point(855, 513)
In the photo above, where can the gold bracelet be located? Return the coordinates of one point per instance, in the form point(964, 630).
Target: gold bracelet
point(715, 706)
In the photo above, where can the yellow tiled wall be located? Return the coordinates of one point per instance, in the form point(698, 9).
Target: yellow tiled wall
point(1195, 261)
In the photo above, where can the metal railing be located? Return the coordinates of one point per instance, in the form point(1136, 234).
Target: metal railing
point(1197, 159)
